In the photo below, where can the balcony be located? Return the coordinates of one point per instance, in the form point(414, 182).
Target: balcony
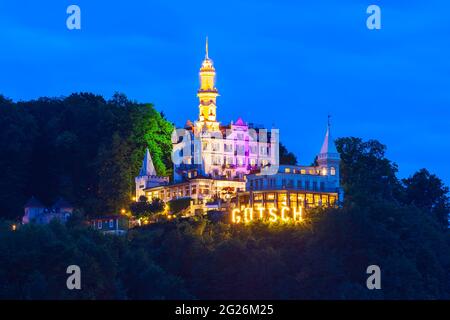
point(279, 187)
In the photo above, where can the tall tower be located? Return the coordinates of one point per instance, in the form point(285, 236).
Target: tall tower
point(329, 160)
point(207, 94)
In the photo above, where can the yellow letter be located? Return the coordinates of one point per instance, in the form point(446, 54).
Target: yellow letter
point(283, 216)
point(234, 218)
point(261, 212)
point(298, 214)
point(248, 217)
point(273, 214)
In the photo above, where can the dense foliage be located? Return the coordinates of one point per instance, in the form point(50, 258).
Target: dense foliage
point(367, 176)
point(399, 225)
point(286, 157)
point(82, 147)
point(144, 208)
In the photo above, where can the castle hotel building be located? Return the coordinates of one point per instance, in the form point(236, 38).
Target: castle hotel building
point(225, 166)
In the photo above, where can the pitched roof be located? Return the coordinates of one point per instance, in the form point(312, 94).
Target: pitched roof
point(147, 168)
point(34, 203)
point(328, 145)
point(61, 203)
point(239, 122)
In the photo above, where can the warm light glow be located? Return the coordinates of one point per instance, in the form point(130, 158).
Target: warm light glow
point(248, 214)
point(283, 214)
point(261, 212)
point(273, 215)
point(298, 214)
point(14, 227)
point(235, 217)
point(123, 211)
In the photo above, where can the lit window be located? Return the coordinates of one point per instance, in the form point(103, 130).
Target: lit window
point(332, 200)
point(332, 171)
point(324, 171)
point(317, 200)
point(287, 170)
point(303, 171)
point(282, 198)
point(324, 200)
point(270, 196)
point(111, 223)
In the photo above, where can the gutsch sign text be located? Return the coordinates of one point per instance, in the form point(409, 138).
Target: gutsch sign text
point(283, 214)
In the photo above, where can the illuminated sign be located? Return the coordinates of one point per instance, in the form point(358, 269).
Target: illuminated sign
point(283, 214)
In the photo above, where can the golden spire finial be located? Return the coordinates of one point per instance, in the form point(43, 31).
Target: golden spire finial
point(206, 56)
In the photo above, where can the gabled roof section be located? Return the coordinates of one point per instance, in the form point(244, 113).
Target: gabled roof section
point(61, 203)
point(147, 168)
point(239, 122)
point(34, 203)
point(328, 145)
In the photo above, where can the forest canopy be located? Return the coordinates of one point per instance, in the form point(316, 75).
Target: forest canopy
point(88, 149)
point(82, 147)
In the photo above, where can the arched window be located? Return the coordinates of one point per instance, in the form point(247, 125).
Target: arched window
point(332, 171)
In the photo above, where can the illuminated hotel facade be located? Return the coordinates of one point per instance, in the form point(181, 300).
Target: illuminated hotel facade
point(232, 166)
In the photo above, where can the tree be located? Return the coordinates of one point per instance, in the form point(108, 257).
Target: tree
point(81, 147)
point(287, 157)
point(144, 208)
point(428, 192)
point(365, 171)
point(18, 132)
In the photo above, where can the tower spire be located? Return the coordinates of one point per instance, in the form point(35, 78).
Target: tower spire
point(328, 146)
point(207, 94)
point(147, 168)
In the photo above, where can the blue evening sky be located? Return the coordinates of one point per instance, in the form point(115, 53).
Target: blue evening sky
point(281, 63)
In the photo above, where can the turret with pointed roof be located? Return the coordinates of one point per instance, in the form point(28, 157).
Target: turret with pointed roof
point(147, 176)
point(147, 168)
point(328, 150)
point(329, 160)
